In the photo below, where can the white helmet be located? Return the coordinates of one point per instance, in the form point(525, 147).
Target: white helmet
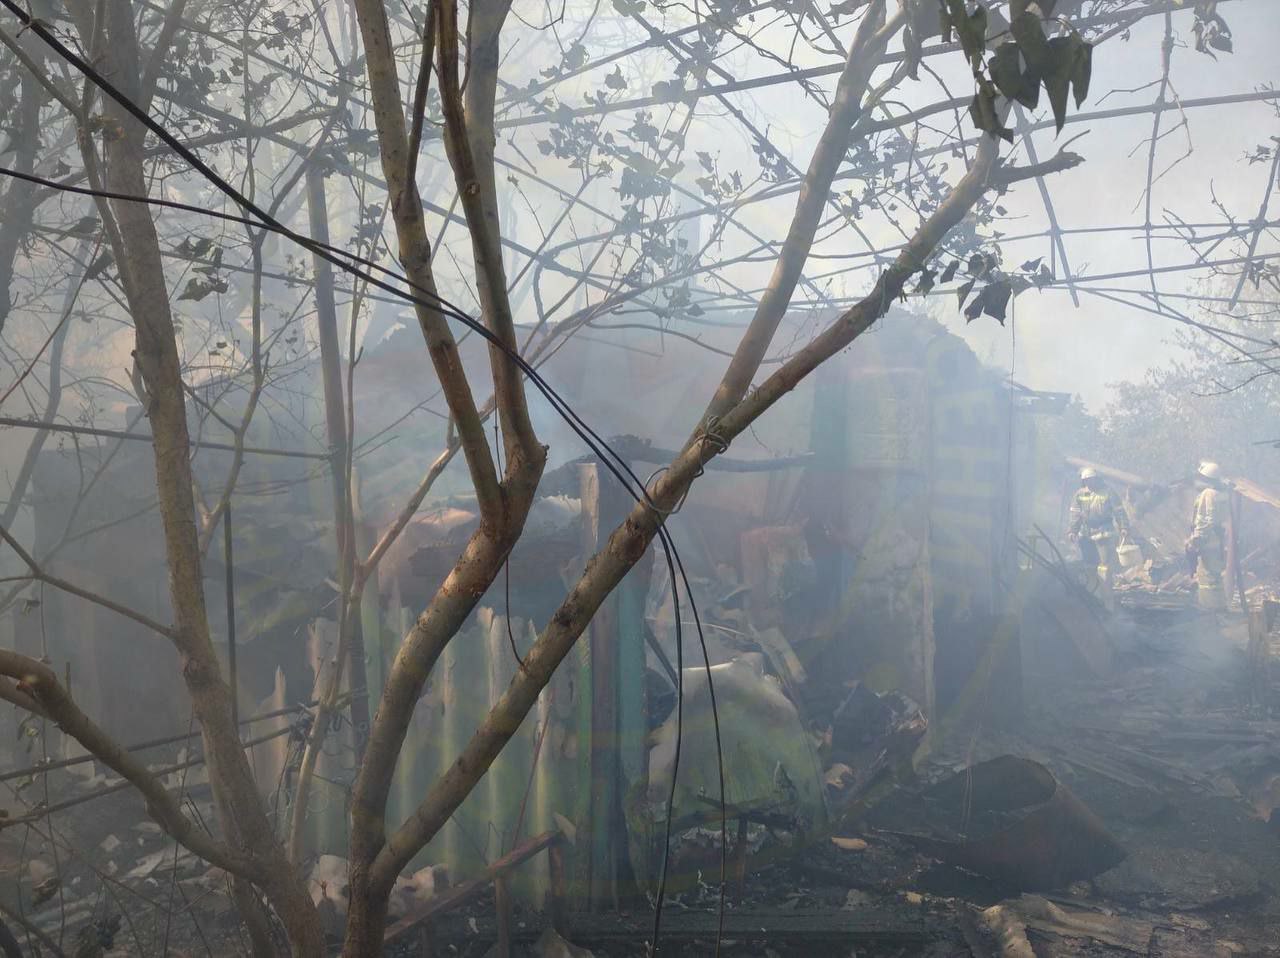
point(1088, 472)
point(1209, 470)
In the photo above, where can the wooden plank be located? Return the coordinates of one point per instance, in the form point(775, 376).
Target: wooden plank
point(602, 838)
point(464, 891)
point(599, 826)
point(630, 693)
point(557, 896)
point(826, 927)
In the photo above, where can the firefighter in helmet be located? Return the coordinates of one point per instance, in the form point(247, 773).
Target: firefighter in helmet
point(1098, 524)
point(1208, 541)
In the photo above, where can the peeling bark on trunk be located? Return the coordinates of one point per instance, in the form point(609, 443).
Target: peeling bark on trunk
point(503, 504)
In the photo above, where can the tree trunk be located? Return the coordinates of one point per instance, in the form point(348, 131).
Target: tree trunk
point(627, 545)
point(19, 202)
point(503, 504)
point(241, 811)
point(54, 399)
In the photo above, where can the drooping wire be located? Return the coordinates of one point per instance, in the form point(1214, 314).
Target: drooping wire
point(715, 722)
point(670, 552)
point(660, 898)
point(431, 299)
point(563, 409)
point(579, 426)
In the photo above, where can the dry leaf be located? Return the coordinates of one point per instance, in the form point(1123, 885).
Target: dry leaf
point(849, 844)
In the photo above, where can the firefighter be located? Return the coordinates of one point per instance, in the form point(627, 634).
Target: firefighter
point(1208, 541)
point(1098, 520)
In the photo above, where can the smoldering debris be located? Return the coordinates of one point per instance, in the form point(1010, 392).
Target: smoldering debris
point(1010, 820)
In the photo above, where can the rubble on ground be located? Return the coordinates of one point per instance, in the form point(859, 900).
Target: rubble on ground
point(1166, 769)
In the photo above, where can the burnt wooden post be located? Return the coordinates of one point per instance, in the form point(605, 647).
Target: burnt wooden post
point(557, 901)
point(502, 906)
point(598, 720)
point(612, 712)
point(740, 856)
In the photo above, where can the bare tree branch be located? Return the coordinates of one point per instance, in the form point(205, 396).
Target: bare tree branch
point(37, 572)
point(38, 685)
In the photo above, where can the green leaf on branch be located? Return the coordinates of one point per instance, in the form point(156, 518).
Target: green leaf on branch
point(980, 264)
point(1005, 68)
point(921, 25)
point(970, 28)
point(1070, 64)
point(198, 288)
point(195, 247)
point(1018, 7)
point(995, 299)
point(982, 110)
point(1212, 32)
point(1057, 81)
point(1028, 34)
point(922, 18)
point(1082, 72)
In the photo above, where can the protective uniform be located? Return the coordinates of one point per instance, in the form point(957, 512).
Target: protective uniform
point(1209, 540)
point(1097, 521)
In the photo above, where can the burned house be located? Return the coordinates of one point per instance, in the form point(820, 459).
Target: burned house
point(865, 603)
point(860, 541)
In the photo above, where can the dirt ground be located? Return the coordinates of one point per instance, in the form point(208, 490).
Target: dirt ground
point(1167, 751)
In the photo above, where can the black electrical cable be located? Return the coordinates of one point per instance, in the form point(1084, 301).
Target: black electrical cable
point(584, 432)
point(562, 408)
point(715, 721)
point(675, 763)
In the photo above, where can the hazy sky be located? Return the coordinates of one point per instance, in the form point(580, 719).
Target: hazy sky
point(1060, 347)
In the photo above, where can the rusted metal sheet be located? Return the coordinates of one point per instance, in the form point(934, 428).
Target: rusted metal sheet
point(1041, 836)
